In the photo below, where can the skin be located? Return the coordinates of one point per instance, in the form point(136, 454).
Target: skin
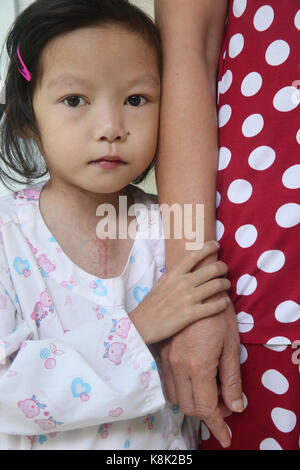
point(186, 173)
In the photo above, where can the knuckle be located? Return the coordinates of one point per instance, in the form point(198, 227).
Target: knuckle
point(174, 358)
point(188, 410)
point(205, 412)
point(234, 381)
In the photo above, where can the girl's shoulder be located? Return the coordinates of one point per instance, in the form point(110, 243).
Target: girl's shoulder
point(11, 205)
point(8, 210)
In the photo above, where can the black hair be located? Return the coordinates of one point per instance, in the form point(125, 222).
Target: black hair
point(33, 29)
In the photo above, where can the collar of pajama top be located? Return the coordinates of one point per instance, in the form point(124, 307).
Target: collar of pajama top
point(55, 264)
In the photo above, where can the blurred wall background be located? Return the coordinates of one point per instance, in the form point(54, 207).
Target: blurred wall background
point(9, 9)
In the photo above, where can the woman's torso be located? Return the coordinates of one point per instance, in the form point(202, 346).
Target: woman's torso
point(258, 179)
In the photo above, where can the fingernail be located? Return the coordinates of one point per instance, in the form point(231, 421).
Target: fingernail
point(217, 244)
point(237, 405)
point(224, 445)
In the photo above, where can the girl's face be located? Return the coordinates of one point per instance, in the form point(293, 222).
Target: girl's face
point(98, 96)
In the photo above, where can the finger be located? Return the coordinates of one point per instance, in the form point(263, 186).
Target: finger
point(206, 273)
point(192, 258)
point(168, 375)
point(210, 288)
point(230, 376)
point(207, 409)
point(197, 312)
point(184, 393)
point(225, 411)
point(208, 309)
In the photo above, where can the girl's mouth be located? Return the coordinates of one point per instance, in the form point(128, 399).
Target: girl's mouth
point(108, 162)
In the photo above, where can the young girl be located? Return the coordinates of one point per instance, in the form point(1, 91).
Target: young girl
point(83, 86)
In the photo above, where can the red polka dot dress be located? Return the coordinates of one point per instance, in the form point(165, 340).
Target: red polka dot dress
point(258, 215)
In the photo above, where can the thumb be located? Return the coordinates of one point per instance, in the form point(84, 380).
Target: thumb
point(230, 376)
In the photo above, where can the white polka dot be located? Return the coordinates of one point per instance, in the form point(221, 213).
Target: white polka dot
point(224, 158)
point(245, 322)
point(253, 125)
point(243, 354)
point(286, 99)
point(287, 312)
point(246, 285)
point(205, 433)
point(288, 215)
point(284, 420)
point(226, 82)
point(298, 136)
point(271, 261)
point(220, 229)
point(246, 235)
point(275, 382)
point(263, 18)
point(277, 52)
point(251, 84)
point(239, 191)
point(269, 444)
point(291, 177)
point(297, 20)
point(224, 114)
point(278, 343)
point(262, 158)
point(218, 199)
point(239, 6)
point(236, 45)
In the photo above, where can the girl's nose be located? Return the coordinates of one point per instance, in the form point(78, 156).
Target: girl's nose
point(111, 128)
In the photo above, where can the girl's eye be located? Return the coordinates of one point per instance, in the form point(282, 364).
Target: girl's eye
point(74, 101)
point(136, 100)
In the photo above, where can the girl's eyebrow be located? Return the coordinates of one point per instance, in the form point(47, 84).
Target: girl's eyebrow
point(147, 79)
point(69, 79)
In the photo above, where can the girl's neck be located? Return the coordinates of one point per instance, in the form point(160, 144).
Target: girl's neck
point(71, 217)
point(76, 204)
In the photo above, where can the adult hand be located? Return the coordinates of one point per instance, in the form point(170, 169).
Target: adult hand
point(191, 361)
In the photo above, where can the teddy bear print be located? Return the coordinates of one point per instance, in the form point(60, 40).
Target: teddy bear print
point(114, 352)
point(31, 407)
point(45, 265)
point(121, 327)
point(42, 308)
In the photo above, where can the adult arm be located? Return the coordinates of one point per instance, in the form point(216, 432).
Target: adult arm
point(192, 33)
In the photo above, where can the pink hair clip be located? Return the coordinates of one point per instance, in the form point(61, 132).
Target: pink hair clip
point(24, 70)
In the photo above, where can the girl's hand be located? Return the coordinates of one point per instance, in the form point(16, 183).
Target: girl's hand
point(177, 299)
